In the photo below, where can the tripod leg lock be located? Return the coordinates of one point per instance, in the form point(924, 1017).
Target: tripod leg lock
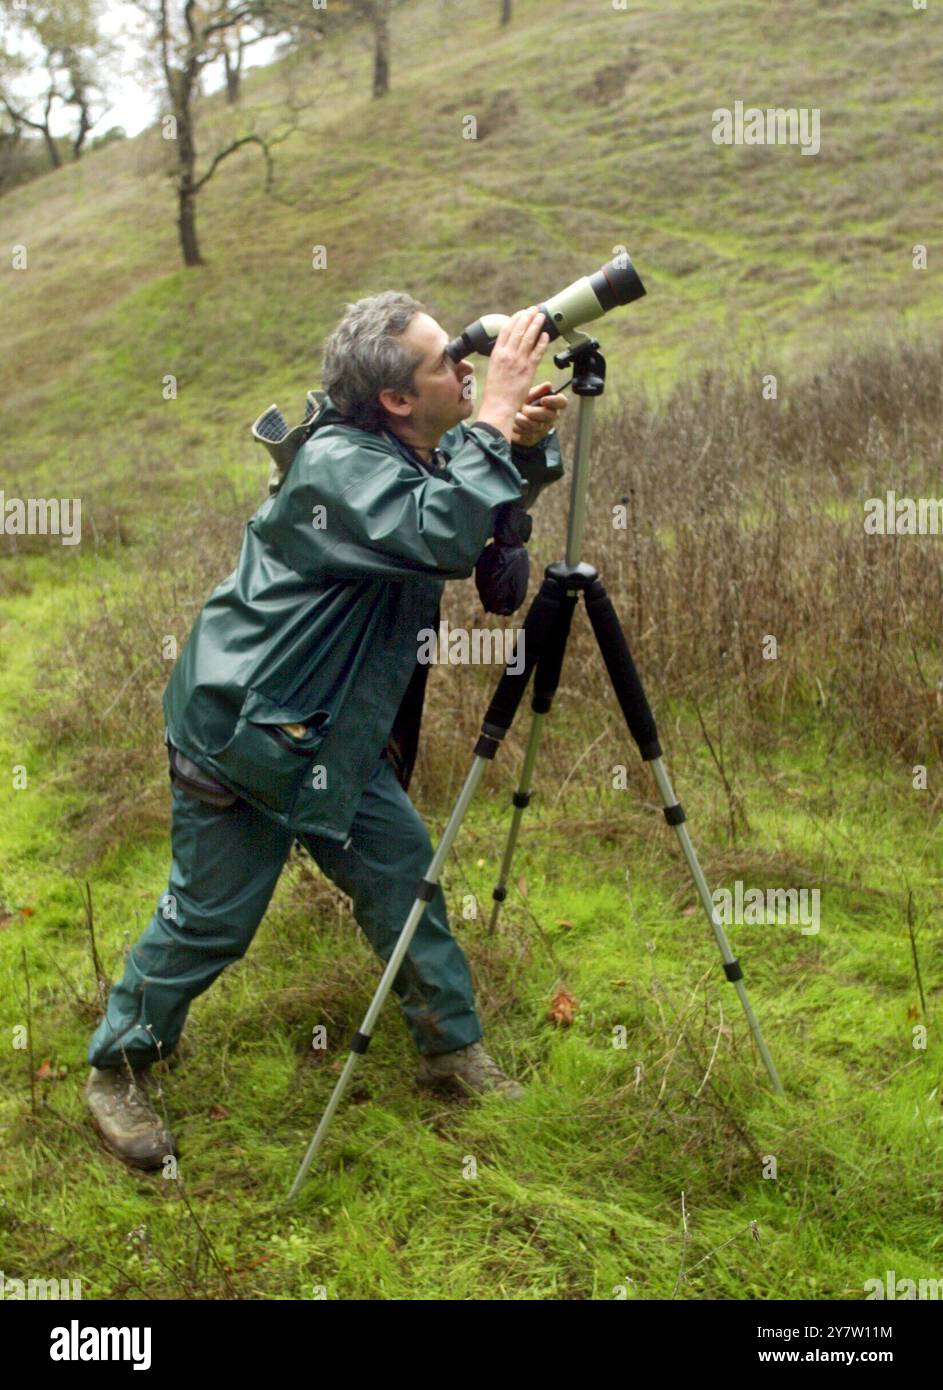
point(425, 890)
point(486, 747)
point(499, 894)
point(360, 1042)
point(521, 799)
point(674, 815)
point(732, 971)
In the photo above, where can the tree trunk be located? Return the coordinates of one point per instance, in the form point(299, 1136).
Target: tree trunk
point(85, 126)
point(52, 149)
point(505, 11)
point(381, 50)
point(233, 77)
point(186, 225)
point(186, 165)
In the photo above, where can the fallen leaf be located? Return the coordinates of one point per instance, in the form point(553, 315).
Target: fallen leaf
point(251, 1264)
point(46, 1072)
point(219, 1112)
point(565, 923)
point(27, 911)
point(522, 886)
point(913, 1012)
point(562, 1008)
point(689, 912)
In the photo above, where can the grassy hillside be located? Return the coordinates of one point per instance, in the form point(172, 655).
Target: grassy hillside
point(594, 131)
point(745, 521)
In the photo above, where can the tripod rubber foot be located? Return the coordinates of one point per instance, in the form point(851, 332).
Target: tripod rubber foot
point(732, 970)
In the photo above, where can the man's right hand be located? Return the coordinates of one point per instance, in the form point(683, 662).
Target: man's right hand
point(514, 359)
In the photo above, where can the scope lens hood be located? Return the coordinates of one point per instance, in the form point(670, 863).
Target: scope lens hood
point(617, 283)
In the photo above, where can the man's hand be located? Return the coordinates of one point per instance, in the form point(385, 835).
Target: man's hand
point(538, 415)
point(515, 358)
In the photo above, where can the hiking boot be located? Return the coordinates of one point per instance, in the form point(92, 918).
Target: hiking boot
point(125, 1117)
point(467, 1069)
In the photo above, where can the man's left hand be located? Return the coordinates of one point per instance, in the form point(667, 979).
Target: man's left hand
point(538, 415)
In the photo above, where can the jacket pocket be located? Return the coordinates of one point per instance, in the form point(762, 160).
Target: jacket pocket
point(265, 759)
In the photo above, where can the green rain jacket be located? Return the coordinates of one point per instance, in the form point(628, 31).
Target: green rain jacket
point(318, 624)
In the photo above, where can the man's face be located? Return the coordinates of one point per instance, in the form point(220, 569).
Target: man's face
point(440, 402)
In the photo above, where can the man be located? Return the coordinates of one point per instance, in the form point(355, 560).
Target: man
point(292, 712)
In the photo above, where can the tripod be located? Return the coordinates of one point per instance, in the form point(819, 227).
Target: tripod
point(546, 630)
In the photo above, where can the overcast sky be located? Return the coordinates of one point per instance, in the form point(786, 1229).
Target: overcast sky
point(136, 85)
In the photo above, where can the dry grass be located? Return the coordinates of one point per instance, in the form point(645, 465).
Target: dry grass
point(745, 521)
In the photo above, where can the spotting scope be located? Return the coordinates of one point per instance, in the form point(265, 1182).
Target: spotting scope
point(586, 299)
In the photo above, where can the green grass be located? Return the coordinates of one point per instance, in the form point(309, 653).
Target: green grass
point(750, 256)
point(578, 1187)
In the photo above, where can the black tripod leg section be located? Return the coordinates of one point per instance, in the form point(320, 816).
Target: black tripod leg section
point(625, 679)
point(553, 650)
point(638, 715)
point(542, 619)
point(549, 621)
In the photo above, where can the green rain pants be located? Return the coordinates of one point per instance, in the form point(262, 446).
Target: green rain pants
point(226, 864)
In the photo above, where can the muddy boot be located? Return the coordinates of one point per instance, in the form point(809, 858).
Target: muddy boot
point(125, 1117)
point(467, 1070)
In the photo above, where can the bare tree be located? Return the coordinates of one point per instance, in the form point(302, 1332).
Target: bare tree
point(81, 94)
point(505, 11)
point(235, 45)
point(10, 136)
point(188, 38)
point(377, 14)
point(233, 52)
point(337, 17)
point(59, 40)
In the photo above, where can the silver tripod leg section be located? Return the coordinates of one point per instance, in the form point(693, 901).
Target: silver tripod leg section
point(669, 799)
point(392, 966)
point(577, 518)
point(527, 771)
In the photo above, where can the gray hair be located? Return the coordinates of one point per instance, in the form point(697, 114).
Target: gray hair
point(363, 356)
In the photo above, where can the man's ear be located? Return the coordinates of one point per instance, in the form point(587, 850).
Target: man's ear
point(395, 403)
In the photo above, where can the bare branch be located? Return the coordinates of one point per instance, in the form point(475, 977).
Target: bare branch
point(231, 149)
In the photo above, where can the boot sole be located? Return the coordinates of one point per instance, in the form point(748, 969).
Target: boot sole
point(148, 1164)
point(462, 1090)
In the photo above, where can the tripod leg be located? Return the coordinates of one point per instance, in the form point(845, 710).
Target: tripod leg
point(546, 630)
point(484, 749)
point(638, 716)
